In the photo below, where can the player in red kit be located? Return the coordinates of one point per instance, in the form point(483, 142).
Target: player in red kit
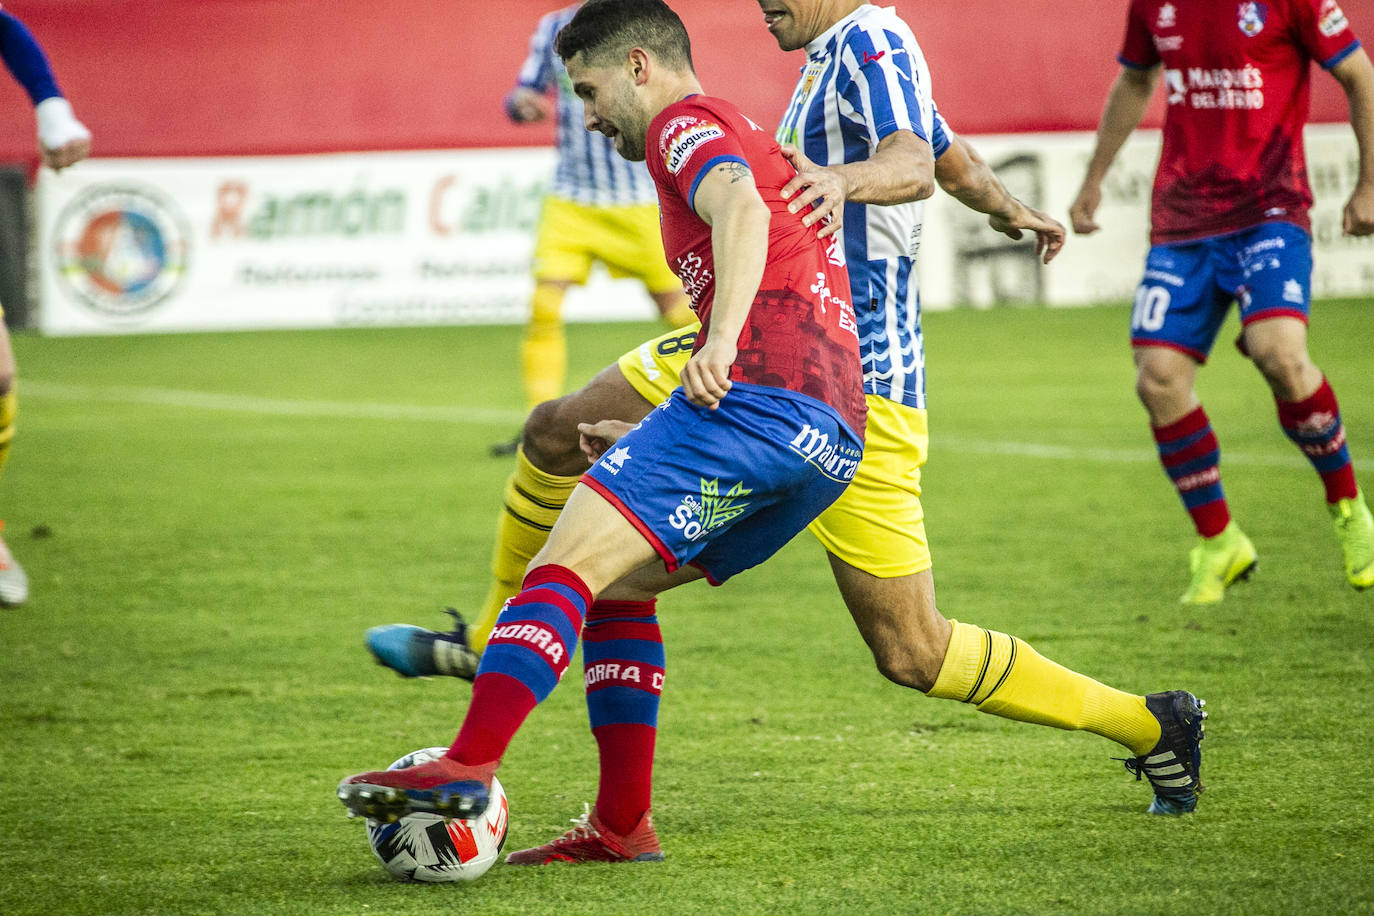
point(765, 432)
point(1229, 223)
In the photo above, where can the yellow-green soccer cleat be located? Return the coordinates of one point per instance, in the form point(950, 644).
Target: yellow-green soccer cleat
point(1217, 562)
point(1355, 528)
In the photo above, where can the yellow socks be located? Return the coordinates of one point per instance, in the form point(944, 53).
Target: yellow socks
point(544, 351)
point(8, 405)
point(533, 500)
point(1004, 676)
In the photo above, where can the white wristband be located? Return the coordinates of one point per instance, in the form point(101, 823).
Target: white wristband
point(57, 125)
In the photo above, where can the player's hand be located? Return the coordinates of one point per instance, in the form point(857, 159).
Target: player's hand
point(1049, 232)
point(823, 190)
point(69, 153)
point(62, 139)
point(595, 438)
point(1358, 216)
point(706, 377)
point(524, 105)
point(1083, 207)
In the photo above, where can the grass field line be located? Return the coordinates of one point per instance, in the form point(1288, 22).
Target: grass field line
point(496, 416)
point(287, 407)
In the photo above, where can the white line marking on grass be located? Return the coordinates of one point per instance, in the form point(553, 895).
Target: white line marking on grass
point(948, 444)
point(236, 403)
point(492, 416)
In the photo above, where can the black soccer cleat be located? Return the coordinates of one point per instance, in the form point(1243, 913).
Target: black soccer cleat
point(1174, 765)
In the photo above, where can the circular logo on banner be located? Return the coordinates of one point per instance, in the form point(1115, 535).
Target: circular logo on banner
point(121, 249)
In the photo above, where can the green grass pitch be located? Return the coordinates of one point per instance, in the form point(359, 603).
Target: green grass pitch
point(210, 522)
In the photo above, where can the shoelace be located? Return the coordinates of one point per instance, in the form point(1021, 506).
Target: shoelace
point(1134, 765)
point(582, 828)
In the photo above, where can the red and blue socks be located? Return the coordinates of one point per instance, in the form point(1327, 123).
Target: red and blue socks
point(1191, 456)
point(1314, 425)
point(622, 651)
point(526, 655)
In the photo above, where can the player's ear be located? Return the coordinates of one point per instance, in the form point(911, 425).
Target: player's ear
point(638, 66)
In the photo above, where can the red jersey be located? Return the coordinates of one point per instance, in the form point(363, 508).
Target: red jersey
point(1236, 78)
point(801, 334)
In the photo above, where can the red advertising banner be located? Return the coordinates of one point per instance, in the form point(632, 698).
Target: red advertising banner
point(234, 77)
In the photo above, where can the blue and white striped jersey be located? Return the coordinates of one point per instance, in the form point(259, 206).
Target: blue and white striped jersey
point(864, 79)
point(589, 170)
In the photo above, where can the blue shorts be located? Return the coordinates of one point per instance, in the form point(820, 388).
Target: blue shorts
point(725, 489)
point(1188, 287)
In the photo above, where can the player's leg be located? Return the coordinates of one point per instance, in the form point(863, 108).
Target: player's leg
point(592, 545)
point(547, 468)
point(1178, 311)
point(544, 348)
point(741, 517)
point(875, 534)
point(1312, 421)
point(1275, 308)
point(14, 584)
point(623, 675)
point(564, 249)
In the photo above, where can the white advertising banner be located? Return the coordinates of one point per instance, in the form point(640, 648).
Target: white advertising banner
point(338, 240)
point(964, 262)
point(419, 238)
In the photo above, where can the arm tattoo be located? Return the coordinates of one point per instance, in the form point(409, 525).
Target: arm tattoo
point(737, 171)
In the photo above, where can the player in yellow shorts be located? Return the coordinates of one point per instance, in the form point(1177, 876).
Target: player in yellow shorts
point(877, 525)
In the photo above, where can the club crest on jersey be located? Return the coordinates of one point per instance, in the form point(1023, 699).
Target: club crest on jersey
point(1331, 21)
point(1168, 17)
point(1252, 16)
point(682, 136)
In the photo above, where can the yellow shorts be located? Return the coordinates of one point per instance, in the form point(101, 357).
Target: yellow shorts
point(626, 239)
point(877, 525)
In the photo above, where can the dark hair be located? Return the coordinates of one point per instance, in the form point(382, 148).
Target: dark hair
point(606, 28)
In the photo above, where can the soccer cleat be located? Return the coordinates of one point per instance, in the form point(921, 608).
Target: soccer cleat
point(413, 651)
point(1218, 562)
point(1174, 765)
point(1355, 528)
point(506, 448)
point(14, 584)
point(443, 786)
point(592, 841)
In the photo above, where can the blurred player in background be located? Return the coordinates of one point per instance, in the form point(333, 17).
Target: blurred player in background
point(600, 207)
point(862, 60)
point(62, 141)
point(771, 411)
point(1229, 223)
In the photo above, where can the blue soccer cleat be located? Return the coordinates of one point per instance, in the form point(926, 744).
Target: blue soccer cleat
point(1174, 765)
point(413, 651)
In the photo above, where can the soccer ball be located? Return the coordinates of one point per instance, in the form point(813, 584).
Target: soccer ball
point(428, 847)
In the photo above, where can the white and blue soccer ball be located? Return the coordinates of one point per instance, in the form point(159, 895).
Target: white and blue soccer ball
point(429, 847)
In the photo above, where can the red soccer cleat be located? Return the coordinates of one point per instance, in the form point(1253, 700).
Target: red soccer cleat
point(591, 841)
point(443, 786)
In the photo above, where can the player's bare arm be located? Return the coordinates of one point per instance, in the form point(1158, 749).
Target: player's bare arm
point(901, 169)
point(1356, 76)
point(965, 176)
point(1126, 104)
point(727, 200)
